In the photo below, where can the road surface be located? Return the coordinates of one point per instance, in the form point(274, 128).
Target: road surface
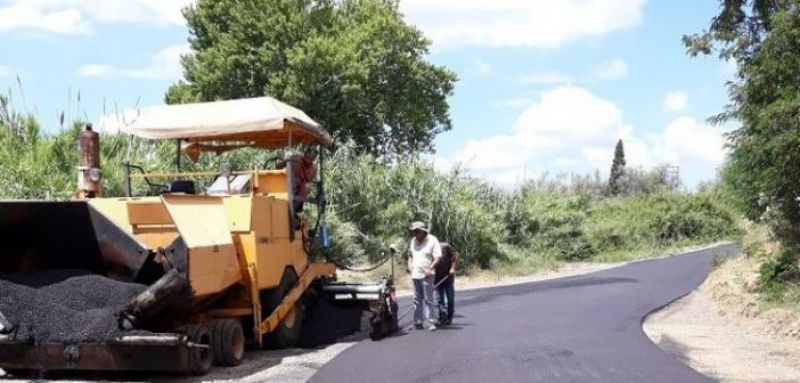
point(578, 329)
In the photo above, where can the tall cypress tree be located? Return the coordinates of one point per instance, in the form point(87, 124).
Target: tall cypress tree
point(617, 169)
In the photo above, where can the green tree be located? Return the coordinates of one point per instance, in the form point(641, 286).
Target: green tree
point(617, 169)
point(763, 37)
point(354, 65)
point(739, 29)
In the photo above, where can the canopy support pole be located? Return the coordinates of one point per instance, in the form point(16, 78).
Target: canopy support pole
point(126, 169)
point(291, 196)
point(178, 155)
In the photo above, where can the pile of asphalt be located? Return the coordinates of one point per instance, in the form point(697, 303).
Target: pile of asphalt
point(69, 306)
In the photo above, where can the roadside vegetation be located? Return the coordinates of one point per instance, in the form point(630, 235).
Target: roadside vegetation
point(762, 37)
point(778, 281)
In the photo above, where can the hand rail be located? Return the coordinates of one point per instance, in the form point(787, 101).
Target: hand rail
point(144, 176)
point(196, 174)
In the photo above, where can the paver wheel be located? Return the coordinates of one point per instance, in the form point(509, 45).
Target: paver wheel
point(200, 358)
point(287, 333)
point(227, 342)
point(18, 374)
point(385, 322)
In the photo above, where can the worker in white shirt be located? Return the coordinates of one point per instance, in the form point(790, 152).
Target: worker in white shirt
point(424, 253)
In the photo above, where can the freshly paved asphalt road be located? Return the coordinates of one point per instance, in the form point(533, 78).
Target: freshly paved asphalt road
point(577, 329)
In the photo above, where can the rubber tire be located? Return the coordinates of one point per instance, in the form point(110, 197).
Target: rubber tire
point(19, 374)
point(377, 332)
point(384, 325)
point(285, 335)
point(227, 342)
point(200, 359)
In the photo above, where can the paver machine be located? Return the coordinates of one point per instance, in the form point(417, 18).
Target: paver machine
point(226, 266)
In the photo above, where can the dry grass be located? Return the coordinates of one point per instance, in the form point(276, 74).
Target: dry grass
point(734, 287)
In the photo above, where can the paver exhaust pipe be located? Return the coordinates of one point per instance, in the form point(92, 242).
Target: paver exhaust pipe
point(90, 183)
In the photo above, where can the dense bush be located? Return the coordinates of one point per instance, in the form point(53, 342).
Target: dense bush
point(381, 199)
point(562, 218)
point(778, 277)
point(658, 220)
point(779, 267)
point(555, 225)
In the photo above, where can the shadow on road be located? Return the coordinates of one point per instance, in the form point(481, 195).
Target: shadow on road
point(493, 293)
point(674, 348)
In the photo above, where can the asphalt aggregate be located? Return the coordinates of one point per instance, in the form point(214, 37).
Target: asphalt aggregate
point(578, 329)
point(69, 306)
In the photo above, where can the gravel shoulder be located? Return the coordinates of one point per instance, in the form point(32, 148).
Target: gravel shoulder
point(721, 331)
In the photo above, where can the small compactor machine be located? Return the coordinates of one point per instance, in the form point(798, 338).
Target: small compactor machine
point(224, 267)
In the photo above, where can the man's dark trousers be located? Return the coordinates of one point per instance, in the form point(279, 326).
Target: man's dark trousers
point(446, 290)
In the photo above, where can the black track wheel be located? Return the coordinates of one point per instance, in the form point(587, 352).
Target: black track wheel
point(383, 325)
point(384, 322)
point(18, 374)
point(200, 356)
point(287, 333)
point(227, 342)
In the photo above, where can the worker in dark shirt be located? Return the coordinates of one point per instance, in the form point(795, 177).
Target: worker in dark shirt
point(445, 280)
point(304, 172)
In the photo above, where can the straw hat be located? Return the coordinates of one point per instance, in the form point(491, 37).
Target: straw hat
point(418, 226)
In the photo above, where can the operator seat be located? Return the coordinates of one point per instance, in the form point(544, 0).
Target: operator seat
point(182, 186)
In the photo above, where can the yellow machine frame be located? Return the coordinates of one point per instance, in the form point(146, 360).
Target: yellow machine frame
point(241, 240)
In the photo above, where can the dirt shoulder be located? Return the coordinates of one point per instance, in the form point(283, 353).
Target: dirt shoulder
point(722, 331)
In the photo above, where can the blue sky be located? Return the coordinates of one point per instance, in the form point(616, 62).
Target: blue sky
point(545, 86)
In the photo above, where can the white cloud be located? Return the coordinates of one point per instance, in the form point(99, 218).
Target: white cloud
point(511, 177)
point(484, 68)
point(442, 165)
point(540, 78)
point(550, 125)
point(164, 64)
point(78, 16)
point(687, 140)
point(6, 71)
point(571, 129)
point(525, 23)
point(564, 162)
point(115, 123)
point(514, 103)
point(95, 70)
point(676, 101)
point(610, 70)
point(23, 16)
